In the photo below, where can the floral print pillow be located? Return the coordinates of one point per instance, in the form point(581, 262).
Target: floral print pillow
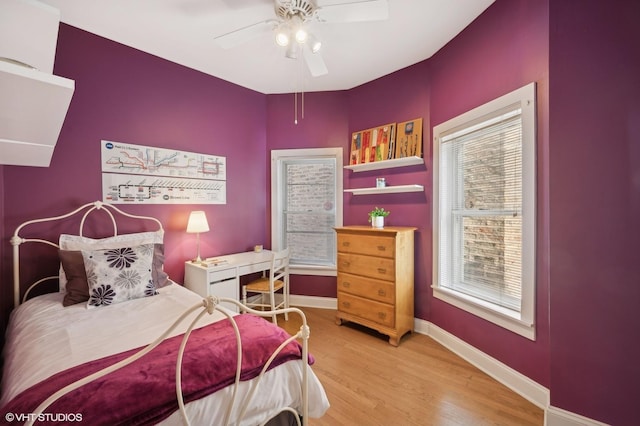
point(119, 274)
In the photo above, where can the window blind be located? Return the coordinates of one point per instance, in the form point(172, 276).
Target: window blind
point(480, 252)
point(309, 211)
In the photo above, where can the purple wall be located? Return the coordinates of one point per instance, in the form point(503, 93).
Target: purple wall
point(469, 71)
point(595, 208)
point(325, 126)
point(4, 244)
point(398, 97)
point(129, 96)
point(504, 49)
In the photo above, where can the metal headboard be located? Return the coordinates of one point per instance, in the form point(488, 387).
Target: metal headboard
point(16, 240)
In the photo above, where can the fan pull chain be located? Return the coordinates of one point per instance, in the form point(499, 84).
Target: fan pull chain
point(299, 84)
point(301, 74)
point(295, 97)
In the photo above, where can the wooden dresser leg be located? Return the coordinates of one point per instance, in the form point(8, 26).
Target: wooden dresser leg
point(394, 341)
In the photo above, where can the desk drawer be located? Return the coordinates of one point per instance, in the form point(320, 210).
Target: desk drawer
point(214, 274)
point(368, 309)
point(374, 245)
point(382, 291)
point(254, 267)
point(226, 288)
point(368, 266)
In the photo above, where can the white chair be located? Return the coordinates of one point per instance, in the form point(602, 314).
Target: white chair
point(276, 284)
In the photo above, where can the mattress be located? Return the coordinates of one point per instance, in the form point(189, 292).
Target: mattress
point(44, 338)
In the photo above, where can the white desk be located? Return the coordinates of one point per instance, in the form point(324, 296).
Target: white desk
point(221, 276)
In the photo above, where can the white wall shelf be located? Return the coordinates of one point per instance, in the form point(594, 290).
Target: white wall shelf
point(386, 164)
point(386, 189)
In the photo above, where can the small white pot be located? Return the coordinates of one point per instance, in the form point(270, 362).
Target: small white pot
point(377, 221)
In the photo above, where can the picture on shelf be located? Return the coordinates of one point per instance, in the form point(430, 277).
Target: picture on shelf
point(356, 144)
point(371, 145)
point(409, 139)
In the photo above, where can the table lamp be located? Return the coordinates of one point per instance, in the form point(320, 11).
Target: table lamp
point(197, 224)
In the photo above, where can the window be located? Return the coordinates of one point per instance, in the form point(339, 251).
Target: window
point(306, 194)
point(484, 211)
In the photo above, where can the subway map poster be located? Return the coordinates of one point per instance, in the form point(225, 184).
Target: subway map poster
point(136, 174)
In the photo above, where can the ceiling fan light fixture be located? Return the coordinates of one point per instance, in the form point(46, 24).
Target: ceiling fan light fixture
point(292, 51)
point(301, 35)
point(282, 36)
point(314, 43)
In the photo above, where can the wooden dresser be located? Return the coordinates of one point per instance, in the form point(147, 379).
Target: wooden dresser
point(375, 279)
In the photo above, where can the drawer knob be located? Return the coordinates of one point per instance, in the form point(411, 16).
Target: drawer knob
point(382, 270)
point(346, 244)
point(382, 292)
point(346, 304)
point(382, 248)
point(346, 264)
point(382, 315)
point(346, 284)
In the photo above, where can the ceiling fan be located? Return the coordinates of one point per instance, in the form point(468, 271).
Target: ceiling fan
point(290, 27)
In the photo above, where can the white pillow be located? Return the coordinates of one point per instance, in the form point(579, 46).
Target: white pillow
point(76, 242)
point(119, 274)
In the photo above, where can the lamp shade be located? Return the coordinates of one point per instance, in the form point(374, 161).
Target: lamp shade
point(197, 222)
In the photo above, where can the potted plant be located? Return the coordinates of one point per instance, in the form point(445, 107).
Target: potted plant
point(376, 217)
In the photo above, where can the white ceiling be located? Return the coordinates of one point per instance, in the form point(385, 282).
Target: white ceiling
point(183, 31)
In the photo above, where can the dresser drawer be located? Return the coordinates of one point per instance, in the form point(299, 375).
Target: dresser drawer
point(382, 291)
point(368, 309)
point(373, 245)
point(368, 266)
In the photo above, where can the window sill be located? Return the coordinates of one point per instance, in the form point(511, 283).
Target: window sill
point(312, 270)
point(492, 313)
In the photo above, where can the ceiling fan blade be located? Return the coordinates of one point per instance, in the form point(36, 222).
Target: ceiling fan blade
point(242, 35)
point(315, 63)
point(360, 11)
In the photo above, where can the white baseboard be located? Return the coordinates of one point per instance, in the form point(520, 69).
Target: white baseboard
point(558, 417)
point(303, 301)
point(313, 301)
point(518, 382)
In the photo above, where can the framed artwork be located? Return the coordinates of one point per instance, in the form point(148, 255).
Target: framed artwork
point(375, 144)
point(409, 139)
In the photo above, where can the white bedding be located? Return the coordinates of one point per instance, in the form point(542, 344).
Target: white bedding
point(44, 337)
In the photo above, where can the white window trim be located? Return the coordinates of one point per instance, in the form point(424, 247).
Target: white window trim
point(522, 323)
point(276, 204)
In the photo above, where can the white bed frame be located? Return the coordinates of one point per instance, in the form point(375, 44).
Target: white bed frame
point(208, 306)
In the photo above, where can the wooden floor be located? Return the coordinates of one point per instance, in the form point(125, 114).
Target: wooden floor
point(369, 382)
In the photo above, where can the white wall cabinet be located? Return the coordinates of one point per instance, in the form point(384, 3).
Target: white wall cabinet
point(33, 101)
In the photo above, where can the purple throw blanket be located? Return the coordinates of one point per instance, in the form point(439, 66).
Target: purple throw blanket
point(144, 391)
